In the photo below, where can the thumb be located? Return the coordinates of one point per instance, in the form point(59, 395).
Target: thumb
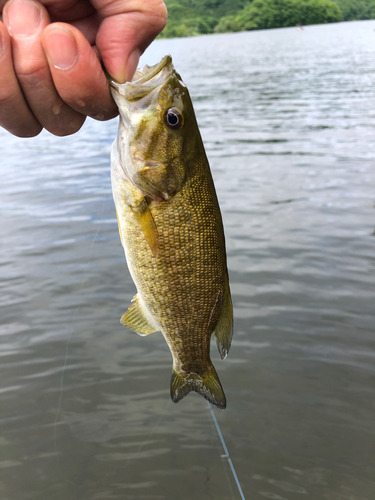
point(124, 36)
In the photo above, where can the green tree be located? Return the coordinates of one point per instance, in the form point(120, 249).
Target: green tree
point(228, 24)
point(356, 9)
point(195, 17)
point(262, 14)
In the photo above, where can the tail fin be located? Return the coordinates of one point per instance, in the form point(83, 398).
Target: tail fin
point(207, 385)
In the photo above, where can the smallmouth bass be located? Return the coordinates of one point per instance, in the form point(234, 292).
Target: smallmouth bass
point(171, 228)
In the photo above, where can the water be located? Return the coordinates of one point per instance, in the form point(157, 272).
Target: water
point(287, 117)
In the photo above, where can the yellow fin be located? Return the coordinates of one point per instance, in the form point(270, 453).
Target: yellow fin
point(224, 328)
point(148, 226)
point(207, 385)
point(136, 319)
point(119, 228)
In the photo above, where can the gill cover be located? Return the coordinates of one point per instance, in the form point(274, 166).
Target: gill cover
point(154, 109)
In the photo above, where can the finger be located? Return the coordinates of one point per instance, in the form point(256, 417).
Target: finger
point(127, 29)
point(15, 114)
point(89, 26)
point(68, 11)
point(25, 20)
point(77, 72)
point(64, 11)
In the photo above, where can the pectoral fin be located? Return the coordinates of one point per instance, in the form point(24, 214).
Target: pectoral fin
point(224, 328)
point(146, 221)
point(136, 319)
point(136, 201)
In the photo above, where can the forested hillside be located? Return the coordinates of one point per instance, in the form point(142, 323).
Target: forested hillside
point(196, 17)
point(357, 9)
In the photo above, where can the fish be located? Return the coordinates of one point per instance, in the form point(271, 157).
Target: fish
point(171, 227)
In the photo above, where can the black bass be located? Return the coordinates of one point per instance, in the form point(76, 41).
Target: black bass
point(171, 228)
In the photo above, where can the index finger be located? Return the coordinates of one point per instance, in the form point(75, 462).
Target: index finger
point(77, 72)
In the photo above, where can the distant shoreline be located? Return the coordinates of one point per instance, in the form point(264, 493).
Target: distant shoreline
point(188, 18)
point(265, 29)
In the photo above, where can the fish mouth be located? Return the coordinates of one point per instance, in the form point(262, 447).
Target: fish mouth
point(144, 81)
point(143, 75)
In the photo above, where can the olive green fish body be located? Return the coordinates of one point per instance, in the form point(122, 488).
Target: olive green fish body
point(171, 229)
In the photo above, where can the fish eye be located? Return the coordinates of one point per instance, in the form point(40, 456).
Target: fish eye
point(173, 118)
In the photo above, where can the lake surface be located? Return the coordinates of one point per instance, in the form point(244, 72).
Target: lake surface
point(288, 120)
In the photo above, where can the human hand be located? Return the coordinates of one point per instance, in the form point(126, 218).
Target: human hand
point(50, 73)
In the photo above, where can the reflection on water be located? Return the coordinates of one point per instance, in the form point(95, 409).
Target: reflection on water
point(288, 121)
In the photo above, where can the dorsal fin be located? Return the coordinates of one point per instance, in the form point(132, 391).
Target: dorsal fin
point(136, 318)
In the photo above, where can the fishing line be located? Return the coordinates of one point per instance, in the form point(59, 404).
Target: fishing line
point(223, 464)
point(70, 338)
point(226, 450)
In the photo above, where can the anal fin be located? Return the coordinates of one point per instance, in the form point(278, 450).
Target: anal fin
point(136, 319)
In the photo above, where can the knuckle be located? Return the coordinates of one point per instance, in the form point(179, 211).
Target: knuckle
point(7, 98)
point(32, 76)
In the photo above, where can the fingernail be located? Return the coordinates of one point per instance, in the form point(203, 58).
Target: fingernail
point(61, 47)
point(22, 17)
point(132, 64)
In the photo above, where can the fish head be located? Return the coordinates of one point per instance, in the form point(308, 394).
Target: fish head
point(158, 134)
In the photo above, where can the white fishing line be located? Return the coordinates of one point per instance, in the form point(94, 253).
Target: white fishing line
point(224, 465)
point(70, 338)
point(226, 450)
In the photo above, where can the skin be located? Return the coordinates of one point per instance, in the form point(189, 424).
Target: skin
point(50, 71)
